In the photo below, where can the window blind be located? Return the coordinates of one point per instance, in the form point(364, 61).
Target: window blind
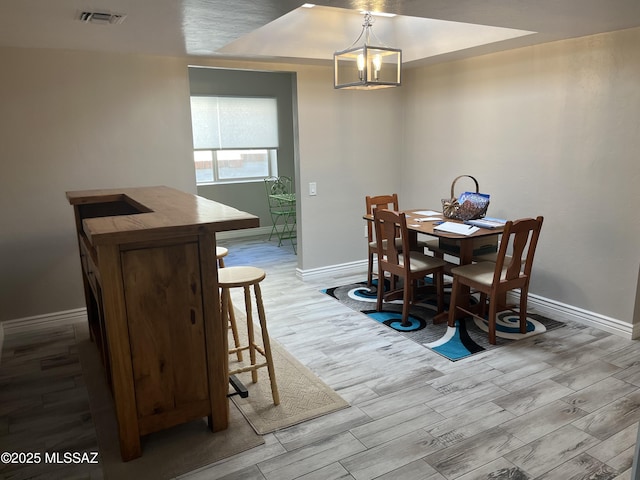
point(234, 122)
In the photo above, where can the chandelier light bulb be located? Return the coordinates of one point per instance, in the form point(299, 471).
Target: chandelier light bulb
point(377, 65)
point(360, 63)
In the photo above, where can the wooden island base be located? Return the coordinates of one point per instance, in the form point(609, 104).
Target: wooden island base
point(151, 287)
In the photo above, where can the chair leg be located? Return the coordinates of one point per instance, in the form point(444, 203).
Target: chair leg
point(523, 310)
point(252, 345)
point(483, 304)
point(407, 297)
point(380, 290)
point(232, 323)
point(226, 309)
point(274, 228)
point(370, 271)
point(286, 229)
point(267, 345)
point(281, 232)
point(453, 301)
point(293, 233)
point(278, 228)
point(493, 314)
point(293, 225)
point(232, 317)
point(439, 278)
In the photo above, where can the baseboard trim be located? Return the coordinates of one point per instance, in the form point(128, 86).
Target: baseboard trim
point(245, 232)
point(48, 320)
point(342, 269)
point(562, 311)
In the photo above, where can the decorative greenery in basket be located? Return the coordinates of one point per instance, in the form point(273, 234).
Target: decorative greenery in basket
point(468, 206)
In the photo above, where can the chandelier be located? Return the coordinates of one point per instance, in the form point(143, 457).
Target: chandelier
point(366, 66)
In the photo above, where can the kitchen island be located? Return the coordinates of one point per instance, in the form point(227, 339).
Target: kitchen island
point(151, 288)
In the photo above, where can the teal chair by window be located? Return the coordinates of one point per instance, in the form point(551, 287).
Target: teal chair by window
point(282, 208)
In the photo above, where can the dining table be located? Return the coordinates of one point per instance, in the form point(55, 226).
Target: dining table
point(426, 221)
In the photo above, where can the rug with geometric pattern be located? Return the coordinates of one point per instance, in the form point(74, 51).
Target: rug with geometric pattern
point(468, 337)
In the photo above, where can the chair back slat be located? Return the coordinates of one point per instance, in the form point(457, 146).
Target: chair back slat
point(389, 225)
point(519, 240)
point(389, 202)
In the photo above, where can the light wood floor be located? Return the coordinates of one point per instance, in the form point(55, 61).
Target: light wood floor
point(564, 405)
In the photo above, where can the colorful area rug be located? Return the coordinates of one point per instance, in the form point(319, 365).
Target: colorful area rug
point(468, 337)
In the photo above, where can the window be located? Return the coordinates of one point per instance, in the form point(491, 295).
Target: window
point(234, 138)
point(232, 165)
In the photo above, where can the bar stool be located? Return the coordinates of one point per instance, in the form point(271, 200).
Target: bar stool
point(222, 252)
point(245, 277)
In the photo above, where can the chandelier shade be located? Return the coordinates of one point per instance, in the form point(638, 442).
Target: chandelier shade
point(367, 66)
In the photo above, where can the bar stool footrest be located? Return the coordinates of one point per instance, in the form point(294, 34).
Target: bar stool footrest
point(238, 386)
point(250, 368)
point(258, 348)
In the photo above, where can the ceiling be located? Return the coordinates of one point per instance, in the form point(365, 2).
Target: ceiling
point(428, 31)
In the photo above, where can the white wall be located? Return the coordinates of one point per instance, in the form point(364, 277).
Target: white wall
point(550, 130)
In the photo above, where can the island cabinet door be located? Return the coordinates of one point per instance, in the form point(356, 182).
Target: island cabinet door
point(164, 307)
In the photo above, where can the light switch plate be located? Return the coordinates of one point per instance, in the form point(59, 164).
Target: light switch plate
point(312, 189)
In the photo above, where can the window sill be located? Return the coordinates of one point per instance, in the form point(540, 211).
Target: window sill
point(230, 182)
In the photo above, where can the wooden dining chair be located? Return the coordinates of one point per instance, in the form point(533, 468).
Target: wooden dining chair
point(493, 279)
point(403, 264)
point(373, 203)
point(389, 202)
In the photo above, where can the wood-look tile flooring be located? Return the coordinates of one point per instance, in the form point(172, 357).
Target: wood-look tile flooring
point(564, 405)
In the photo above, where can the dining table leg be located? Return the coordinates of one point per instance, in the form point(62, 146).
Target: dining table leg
point(413, 241)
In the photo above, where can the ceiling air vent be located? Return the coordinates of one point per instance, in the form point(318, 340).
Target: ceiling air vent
point(102, 17)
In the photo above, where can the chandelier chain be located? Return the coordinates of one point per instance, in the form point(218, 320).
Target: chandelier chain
point(367, 31)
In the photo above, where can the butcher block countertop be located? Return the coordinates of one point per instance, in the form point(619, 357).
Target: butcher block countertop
point(139, 214)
